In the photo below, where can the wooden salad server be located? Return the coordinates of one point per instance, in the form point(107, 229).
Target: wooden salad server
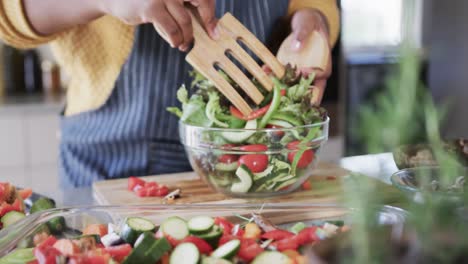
point(208, 53)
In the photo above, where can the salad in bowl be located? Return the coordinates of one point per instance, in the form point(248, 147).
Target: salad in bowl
point(271, 151)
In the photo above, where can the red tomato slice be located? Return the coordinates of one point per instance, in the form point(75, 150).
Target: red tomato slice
point(46, 255)
point(25, 193)
point(228, 158)
point(224, 224)
point(307, 235)
point(255, 162)
point(254, 148)
point(254, 115)
point(133, 182)
point(249, 249)
point(120, 252)
point(277, 234)
point(285, 244)
point(201, 244)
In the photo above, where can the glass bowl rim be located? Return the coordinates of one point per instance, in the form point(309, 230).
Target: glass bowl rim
point(405, 187)
point(326, 121)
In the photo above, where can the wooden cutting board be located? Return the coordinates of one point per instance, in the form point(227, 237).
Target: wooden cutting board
point(327, 187)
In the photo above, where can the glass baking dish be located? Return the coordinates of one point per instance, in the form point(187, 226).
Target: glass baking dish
point(283, 215)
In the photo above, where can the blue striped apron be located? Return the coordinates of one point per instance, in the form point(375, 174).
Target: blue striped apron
point(132, 133)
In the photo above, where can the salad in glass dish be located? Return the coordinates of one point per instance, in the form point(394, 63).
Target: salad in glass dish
point(271, 151)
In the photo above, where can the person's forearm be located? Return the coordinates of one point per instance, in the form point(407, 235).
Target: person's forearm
point(52, 16)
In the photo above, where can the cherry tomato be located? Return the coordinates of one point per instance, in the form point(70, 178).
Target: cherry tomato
point(224, 224)
point(255, 162)
point(249, 249)
point(276, 133)
point(120, 252)
point(133, 182)
point(254, 115)
point(254, 148)
point(306, 158)
point(277, 234)
point(228, 158)
point(306, 185)
point(201, 244)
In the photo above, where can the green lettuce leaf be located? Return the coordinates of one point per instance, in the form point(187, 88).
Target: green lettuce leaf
point(213, 108)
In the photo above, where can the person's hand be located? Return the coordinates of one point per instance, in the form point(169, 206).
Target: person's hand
point(169, 17)
point(304, 23)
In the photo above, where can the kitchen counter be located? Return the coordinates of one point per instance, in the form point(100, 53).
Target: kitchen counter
point(379, 166)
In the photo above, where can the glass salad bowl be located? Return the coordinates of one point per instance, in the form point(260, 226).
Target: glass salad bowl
point(254, 162)
point(21, 235)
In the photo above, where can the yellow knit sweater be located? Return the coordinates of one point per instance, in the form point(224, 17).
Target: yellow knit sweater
point(93, 54)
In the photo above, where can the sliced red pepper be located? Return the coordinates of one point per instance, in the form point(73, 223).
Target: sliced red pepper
point(201, 244)
point(307, 235)
point(254, 115)
point(278, 234)
point(133, 182)
point(120, 252)
point(285, 244)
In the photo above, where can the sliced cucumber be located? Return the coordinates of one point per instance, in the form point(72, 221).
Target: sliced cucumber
point(211, 260)
point(149, 250)
point(264, 173)
point(220, 166)
point(288, 118)
point(12, 217)
point(239, 137)
point(213, 236)
point(246, 181)
point(25, 255)
point(270, 257)
point(175, 227)
point(133, 227)
point(200, 224)
point(185, 253)
point(227, 250)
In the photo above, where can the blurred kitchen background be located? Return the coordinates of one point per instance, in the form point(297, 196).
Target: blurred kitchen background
point(32, 86)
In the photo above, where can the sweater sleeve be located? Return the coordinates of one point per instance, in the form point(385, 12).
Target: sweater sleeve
point(328, 8)
point(15, 28)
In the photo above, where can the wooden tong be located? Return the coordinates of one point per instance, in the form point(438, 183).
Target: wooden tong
point(208, 53)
